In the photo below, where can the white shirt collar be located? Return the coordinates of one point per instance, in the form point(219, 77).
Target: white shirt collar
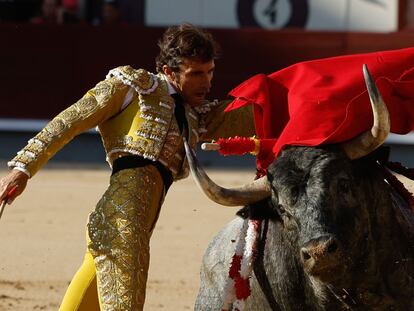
point(171, 89)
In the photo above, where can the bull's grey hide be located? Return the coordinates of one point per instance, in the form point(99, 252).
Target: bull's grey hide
point(336, 239)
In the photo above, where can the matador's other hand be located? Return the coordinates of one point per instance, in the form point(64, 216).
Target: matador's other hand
point(14, 179)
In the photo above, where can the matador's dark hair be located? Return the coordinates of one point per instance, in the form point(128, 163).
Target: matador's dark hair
point(185, 41)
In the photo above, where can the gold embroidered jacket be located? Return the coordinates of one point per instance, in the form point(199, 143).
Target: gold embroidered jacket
point(134, 113)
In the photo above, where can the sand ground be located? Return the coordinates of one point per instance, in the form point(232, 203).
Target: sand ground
point(42, 238)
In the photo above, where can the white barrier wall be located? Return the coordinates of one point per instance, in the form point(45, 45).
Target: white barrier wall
point(339, 15)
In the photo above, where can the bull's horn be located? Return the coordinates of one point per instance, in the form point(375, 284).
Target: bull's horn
point(250, 193)
point(370, 140)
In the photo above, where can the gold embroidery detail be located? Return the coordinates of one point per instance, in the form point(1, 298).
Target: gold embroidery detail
point(55, 127)
point(119, 233)
point(140, 77)
point(103, 91)
point(86, 105)
point(141, 80)
point(34, 147)
point(172, 153)
point(44, 137)
point(70, 115)
point(23, 158)
point(143, 147)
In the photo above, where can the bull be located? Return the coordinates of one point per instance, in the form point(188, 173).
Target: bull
point(335, 235)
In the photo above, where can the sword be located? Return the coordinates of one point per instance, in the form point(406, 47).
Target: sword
point(3, 203)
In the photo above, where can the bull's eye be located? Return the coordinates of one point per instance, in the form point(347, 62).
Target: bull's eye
point(294, 193)
point(281, 209)
point(288, 220)
point(343, 185)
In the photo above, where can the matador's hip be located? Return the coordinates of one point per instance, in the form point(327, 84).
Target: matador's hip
point(119, 232)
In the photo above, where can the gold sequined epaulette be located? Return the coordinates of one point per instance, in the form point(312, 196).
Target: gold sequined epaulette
point(142, 81)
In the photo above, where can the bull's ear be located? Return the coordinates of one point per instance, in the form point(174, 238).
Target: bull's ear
point(260, 210)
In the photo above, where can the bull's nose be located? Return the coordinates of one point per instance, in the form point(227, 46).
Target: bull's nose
point(319, 249)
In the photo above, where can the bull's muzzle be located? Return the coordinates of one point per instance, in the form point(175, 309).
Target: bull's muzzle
point(321, 256)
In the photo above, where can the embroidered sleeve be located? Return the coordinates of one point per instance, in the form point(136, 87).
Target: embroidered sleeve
point(215, 123)
point(97, 105)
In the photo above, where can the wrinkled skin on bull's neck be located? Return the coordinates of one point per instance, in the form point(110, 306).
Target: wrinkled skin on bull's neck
point(335, 240)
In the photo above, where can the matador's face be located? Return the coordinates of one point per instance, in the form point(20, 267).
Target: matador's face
point(193, 81)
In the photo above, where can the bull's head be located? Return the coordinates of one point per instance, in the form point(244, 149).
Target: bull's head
point(321, 200)
point(305, 195)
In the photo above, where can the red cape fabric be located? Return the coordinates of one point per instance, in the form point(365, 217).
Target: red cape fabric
point(325, 101)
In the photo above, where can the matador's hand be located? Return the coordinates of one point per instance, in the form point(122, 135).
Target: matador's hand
point(15, 178)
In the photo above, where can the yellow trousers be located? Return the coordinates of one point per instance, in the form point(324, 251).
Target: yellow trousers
point(82, 294)
point(114, 272)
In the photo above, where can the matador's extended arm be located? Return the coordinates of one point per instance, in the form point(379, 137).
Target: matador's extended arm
point(97, 105)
